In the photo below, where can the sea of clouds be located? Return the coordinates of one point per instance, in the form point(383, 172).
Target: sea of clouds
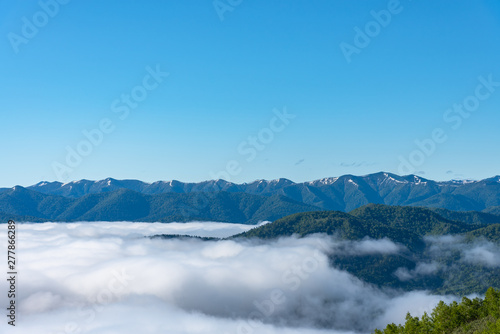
point(106, 278)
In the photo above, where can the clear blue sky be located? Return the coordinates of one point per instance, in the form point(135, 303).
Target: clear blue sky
point(227, 76)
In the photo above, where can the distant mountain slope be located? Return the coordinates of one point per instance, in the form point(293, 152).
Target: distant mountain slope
point(400, 224)
point(494, 210)
point(5, 217)
point(343, 225)
point(23, 202)
point(128, 205)
point(470, 217)
point(421, 221)
point(490, 233)
point(343, 193)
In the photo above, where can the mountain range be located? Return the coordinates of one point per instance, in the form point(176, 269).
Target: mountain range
point(220, 200)
point(22, 204)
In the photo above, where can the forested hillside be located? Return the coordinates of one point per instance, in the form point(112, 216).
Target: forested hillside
point(127, 205)
point(476, 316)
point(437, 254)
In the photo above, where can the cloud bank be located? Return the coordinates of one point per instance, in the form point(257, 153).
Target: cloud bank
point(478, 252)
point(103, 278)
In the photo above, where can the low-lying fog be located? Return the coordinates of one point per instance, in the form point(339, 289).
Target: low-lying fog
point(107, 278)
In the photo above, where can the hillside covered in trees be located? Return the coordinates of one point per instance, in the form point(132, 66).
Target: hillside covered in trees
point(435, 253)
point(22, 204)
point(476, 316)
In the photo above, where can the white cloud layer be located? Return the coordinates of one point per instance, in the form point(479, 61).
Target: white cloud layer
point(421, 269)
point(487, 254)
point(106, 278)
point(478, 252)
point(368, 246)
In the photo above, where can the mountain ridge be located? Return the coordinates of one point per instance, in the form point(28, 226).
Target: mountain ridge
point(344, 193)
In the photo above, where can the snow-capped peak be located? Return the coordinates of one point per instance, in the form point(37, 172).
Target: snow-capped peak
point(418, 180)
point(351, 181)
point(388, 177)
point(465, 181)
point(325, 181)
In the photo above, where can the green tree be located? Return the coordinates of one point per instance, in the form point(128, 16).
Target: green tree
point(470, 316)
point(492, 302)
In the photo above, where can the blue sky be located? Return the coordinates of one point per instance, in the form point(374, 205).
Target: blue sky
point(228, 79)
